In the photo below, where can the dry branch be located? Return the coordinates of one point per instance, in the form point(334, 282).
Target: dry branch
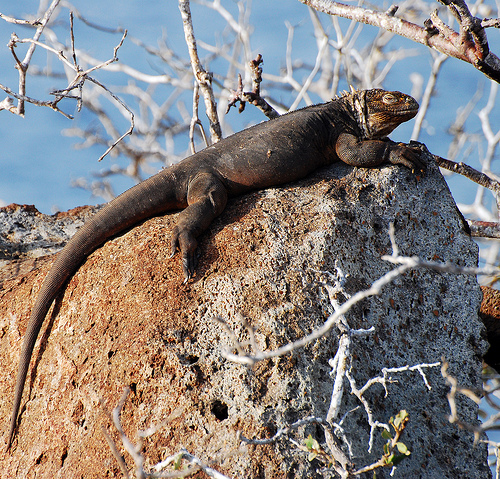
point(23, 65)
point(253, 96)
point(470, 45)
point(482, 229)
point(135, 451)
point(76, 84)
point(203, 78)
point(488, 391)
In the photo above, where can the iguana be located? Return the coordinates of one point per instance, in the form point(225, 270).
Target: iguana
point(351, 128)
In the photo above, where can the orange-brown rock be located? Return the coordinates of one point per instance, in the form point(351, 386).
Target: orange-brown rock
point(127, 320)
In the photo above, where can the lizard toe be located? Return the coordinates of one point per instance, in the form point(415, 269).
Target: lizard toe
point(174, 243)
point(189, 263)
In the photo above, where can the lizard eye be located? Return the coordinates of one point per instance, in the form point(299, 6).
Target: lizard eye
point(389, 99)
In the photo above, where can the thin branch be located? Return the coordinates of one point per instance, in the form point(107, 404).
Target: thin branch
point(284, 431)
point(210, 472)
point(481, 229)
point(114, 450)
point(478, 429)
point(253, 96)
point(195, 119)
point(405, 263)
point(203, 78)
point(30, 23)
point(387, 378)
point(135, 450)
point(77, 83)
point(429, 91)
point(23, 66)
point(469, 172)
point(341, 369)
point(314, 71)
point(447, 267)
point(17, 96)
point(124, 105)
point(371, 421)
point(97, 27)
point(386, 460)
point(437, 35)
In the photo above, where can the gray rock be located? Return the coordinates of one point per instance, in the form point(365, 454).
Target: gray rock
point(27, 233)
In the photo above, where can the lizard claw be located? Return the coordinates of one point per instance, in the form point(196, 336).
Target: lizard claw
point(189, 263)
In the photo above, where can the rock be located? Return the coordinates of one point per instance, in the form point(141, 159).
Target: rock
point(28, 236)
point(127, 319)
point(27, 233)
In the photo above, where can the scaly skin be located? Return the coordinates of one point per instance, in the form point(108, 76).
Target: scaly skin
point(351, 128)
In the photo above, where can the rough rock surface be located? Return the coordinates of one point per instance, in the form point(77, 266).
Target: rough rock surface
point(127, 319)
point(28, 236)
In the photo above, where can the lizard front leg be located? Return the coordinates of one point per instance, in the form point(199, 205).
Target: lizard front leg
point(366, 153)
point(207, 198)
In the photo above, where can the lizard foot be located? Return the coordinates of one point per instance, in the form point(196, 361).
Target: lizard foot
point(409, 156)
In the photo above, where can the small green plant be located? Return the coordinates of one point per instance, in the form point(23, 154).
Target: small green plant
point(395, 450)
point(315, 451)
point(313, 447)
point(178, 462)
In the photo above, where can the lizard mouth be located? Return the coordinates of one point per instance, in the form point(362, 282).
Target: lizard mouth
point(410, 112)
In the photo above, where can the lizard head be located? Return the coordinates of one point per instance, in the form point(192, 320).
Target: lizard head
point(378, 112)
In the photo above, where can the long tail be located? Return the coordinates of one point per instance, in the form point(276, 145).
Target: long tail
point(151, 197)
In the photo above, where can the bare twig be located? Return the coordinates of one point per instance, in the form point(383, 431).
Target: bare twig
point(23, 66)
point(253, 96)
point(203, 78)
point(6, 104)
point(387, 457)
point(438, 62)
point(482, 229)
point(442, 38)
point(307, 83)
point(124, 105)
point(31, 23)
point(195, 119)
point(405, 263)
point(457, 129)
point(135, 451)
point(469, 172)
point(492, 423)
point(114, 450)
point(447, 267)
point(493, 138)
point(209, 471)
point(284, 431)
point(23, 98)
point(341, 369)
point(77, 83)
